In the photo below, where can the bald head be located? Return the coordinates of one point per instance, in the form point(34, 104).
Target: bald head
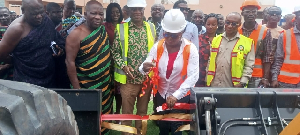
point(94, 14)
point(198, 18)
point(197, 12)
point(31, 3)
point(158, 5)
point(232, 23)
point(90, 3)
point(33, 11)
point(235, 15)
point(157, 13)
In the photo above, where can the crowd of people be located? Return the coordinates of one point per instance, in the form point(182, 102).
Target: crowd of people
point(58, 47)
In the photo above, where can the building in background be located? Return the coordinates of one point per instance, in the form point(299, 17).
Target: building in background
point(223, 7)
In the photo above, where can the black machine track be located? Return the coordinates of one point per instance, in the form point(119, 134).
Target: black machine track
point(26, 109)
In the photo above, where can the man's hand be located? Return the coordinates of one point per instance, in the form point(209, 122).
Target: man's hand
point(265, 82)
point(238, 86)
point(60, 51)
point(275, 84)
point(147, 66)
point(128, 71)
point(3, 68)
point(171, 100)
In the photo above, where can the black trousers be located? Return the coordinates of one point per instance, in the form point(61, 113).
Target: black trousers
point(166, 126)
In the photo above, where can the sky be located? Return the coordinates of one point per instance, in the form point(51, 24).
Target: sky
point(287, 6)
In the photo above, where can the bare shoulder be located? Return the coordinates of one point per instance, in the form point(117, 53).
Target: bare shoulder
point(14, 33)
point(77, 33)
point(16, 28)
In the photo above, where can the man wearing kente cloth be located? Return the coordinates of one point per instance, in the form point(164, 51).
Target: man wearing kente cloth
point(88, 56)
point(28, 40)
point(69, 18)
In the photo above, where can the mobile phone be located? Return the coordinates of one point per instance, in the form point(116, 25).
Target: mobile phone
point(53, 47)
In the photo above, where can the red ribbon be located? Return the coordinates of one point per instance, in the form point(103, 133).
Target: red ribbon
point(180, 106)
point(107, 117)
point(154, 78)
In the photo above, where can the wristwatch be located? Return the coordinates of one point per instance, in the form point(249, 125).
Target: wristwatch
point(243, 84)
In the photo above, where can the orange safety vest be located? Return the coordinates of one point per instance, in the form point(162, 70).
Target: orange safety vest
point(290, 70)
point(257, 36)
point(186, 56)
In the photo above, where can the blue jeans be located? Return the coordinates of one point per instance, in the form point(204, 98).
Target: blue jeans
point(166, 126)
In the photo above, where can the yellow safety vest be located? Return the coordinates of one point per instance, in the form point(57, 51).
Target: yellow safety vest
point(238, 56)
point(122, 30)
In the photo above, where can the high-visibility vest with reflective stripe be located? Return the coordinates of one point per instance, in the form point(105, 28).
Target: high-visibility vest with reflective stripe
point(186, 56)
point(257, 36)
point(290, 70)
point(238, 56)
point(122, 30)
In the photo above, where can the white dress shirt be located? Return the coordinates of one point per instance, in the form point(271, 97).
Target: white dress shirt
point(172, 86)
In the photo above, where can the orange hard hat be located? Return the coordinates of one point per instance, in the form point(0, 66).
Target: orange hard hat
point(250, 3)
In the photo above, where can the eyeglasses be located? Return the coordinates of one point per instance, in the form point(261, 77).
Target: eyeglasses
point(172, 35)
point(250, 11)
point(233, 24)
point(184, 9)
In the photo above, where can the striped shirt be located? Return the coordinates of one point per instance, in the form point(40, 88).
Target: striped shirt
point(267, 41)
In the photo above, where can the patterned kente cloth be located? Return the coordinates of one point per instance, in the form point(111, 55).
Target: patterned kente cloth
point(32, 58)
point(93, 67)
point(67, 24)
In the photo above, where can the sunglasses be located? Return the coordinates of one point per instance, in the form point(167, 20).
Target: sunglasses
point(172, 35)
point(184, 9)
point(233, 24)
point(274, 13)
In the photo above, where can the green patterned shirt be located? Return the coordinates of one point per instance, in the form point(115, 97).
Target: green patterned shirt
point(137, 51)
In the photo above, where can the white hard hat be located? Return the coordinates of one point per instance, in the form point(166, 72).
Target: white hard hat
point(296, 9)
point(174, 21)
point(136, 3)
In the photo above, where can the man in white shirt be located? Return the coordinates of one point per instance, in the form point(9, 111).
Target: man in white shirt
point(198, 20)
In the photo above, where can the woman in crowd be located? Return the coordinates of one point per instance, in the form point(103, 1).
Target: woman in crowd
point(113, 17)
point(177, 61)
point(211, 25)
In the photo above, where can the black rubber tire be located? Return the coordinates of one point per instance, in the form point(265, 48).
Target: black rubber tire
point(27, 109)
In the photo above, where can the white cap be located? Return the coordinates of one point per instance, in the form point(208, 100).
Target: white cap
point(296, 9)
point(136, 3)
point(174, 21)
